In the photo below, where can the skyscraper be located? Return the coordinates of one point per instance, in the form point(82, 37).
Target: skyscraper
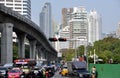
point(84, 27)
point(46, 20)
point(95, 26)
point(21, 6)
point(66, 16)
point(78, 26)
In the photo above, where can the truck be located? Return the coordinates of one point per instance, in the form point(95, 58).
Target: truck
point(78, 69)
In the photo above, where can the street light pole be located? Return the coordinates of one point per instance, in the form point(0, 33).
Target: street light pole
point(75, 48)
point(94, 57)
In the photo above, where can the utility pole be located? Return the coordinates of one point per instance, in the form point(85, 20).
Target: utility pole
point(94, 57)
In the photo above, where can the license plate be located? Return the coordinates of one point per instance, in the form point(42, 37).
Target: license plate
point(80, 75)
point(12, 76)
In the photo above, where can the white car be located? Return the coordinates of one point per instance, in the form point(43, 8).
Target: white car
point(8, 65)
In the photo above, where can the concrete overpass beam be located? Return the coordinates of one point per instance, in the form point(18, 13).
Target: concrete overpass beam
point(21, 44)
point(32, 48)
point(6, 43)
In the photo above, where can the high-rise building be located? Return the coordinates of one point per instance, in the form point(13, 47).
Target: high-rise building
point(66, 16)
point(84, 27)
point(21, 6)
point(78, 26)
point(46, 20)
point(95, 27)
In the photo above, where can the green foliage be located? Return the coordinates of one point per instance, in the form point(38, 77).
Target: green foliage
point(80, 50)
point(68, 54)
point(106, 49)
point(15, 51)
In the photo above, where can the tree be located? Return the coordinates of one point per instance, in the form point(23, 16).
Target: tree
point(15, 51)
point(107, 48)
point(68, 54)
point(81, 50)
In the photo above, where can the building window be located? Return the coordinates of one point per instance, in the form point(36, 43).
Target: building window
point(17, 0)
point(9, 4)
point(17, 8)
point(9, 0)
point(17, 4)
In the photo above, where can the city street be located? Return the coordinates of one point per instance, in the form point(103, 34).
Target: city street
point(59, 39)
point(57, 75)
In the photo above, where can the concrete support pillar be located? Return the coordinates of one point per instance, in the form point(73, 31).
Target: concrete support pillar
point(32, 48)
point(43, 55)
point(38, 54)
point(6, 43)
point(48, 56)
point(21, 44)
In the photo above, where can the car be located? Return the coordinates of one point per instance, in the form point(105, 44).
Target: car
point(15, 73)
point(36, 69)
point(3, 70)
point(8, 65)
point(64, 71)
point(49, 72)
point(25, 69)
point(78, 69)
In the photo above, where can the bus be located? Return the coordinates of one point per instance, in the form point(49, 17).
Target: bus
point(25, 64)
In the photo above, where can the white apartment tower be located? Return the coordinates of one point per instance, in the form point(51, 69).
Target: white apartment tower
point(95, 27)
point(84, 28)
point(78, 26)
point(46, 20)
point(21, 6)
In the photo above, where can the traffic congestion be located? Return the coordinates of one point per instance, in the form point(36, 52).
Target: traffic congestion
point(28, 68)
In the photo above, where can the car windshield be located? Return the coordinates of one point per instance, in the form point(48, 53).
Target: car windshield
point(78, 65)
point(3, 68)
point(36, 68)
point(8, 65)
point(14, 71)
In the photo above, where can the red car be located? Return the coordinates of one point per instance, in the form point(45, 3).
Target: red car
point(15, 73)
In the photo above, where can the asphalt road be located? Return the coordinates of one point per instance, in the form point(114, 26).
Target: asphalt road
point(57, 75)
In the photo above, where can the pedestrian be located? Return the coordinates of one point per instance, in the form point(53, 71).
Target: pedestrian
point(23, 75)
point(51, 74)
point(47, 74)
point(31, 75)
point(40, 74)
point(93, 72)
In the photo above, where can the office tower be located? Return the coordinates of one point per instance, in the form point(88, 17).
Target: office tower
point(66, 16)
point(21, 6)
point(45, 20)
point(78, 27)
point(95, 26)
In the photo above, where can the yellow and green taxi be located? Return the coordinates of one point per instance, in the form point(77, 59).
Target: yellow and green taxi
point(64, 71)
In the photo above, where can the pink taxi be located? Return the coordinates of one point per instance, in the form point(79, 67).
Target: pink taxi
point(15, 73)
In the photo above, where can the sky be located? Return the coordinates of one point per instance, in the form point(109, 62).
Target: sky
point(108, 9)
